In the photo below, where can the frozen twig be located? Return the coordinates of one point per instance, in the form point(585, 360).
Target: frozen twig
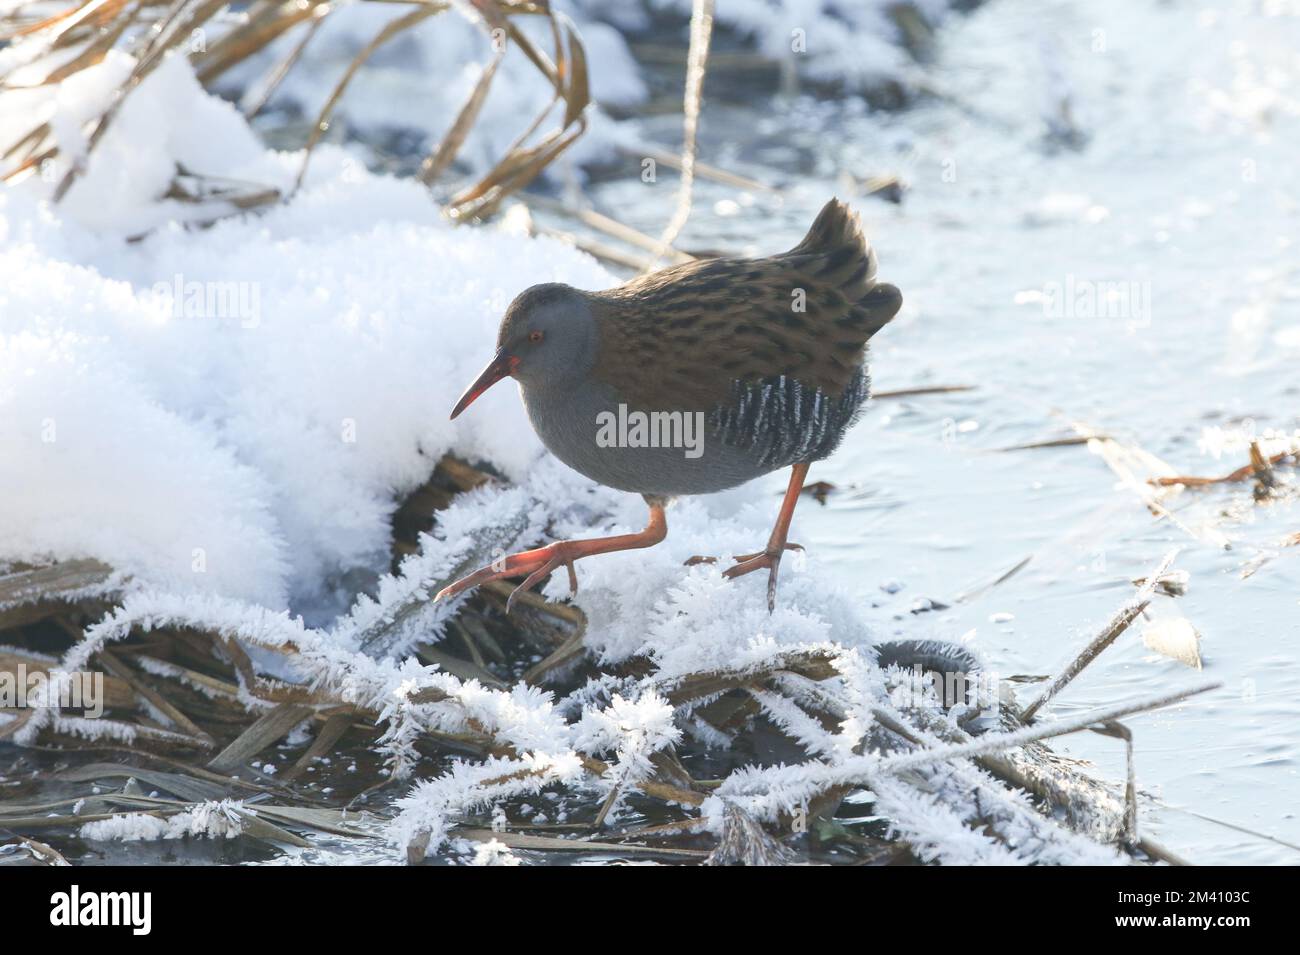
point(997, 742)
point(1117, 625)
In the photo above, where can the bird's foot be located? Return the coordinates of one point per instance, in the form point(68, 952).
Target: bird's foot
point(535, 564)
point(540, 561)
point(771, 559)
point(748, 563)
point(739, 558)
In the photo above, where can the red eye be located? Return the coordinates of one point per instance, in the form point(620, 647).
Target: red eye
point(535, 336)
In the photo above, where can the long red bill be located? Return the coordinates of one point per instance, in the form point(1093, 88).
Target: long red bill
point(499, 367)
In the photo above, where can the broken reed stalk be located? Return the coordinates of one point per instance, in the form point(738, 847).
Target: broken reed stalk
point(92, 29)
point(926, 390)
point(1258, 464)
point(997, 742)
point(703, 170)
point(696, 59)
point(611, 227)
point(1122, 459)
point(1109, 633)
point(1049, 443)
point(386, 33)
point(1119, 731)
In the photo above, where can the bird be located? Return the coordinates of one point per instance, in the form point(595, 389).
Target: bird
point(694, 379)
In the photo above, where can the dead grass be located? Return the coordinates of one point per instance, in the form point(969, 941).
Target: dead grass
point(202, 717)
point(81, 35)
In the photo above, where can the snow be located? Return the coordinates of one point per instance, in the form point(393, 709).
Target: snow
point(494, 852)
point(253, 455)
point(221, 819)
point(634, 730)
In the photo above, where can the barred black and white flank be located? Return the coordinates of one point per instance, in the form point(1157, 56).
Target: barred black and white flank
point(784, 422)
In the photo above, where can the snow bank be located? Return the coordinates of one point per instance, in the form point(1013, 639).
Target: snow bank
point(235, 410)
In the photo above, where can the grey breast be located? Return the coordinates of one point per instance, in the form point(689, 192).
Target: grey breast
point(764, 427)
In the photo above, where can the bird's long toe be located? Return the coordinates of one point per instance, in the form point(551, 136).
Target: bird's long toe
point(533, 565)
point(741, 558)
point(770, 559)
point(560, 558)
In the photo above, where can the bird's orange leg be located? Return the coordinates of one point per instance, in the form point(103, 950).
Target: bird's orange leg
point(537, 563)
point(776, 544)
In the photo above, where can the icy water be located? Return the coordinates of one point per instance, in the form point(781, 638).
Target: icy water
point(1175, 179)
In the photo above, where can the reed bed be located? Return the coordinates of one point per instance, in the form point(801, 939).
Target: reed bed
point(192, 728)
point(50, 43)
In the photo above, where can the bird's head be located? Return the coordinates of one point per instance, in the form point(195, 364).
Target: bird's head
point(548, 335)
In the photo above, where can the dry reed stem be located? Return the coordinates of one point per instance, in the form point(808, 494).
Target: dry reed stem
point(997, 742)
point(696, 59)
point(266, 23)
point(442, 157)
point(702, 169)
point(928, 390)
point(253, 105)
point(98, 26)
point(1241, 474)
point(386, 33)
point(1108, 635)
point(611, 227)
point(124, 672)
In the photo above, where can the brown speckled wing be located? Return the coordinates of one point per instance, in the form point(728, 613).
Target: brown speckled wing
point(678, 339)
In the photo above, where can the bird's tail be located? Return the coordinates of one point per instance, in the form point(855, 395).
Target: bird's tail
point(837, 251)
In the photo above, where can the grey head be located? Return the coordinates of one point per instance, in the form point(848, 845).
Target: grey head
point(551, 329)
point(547, 340)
